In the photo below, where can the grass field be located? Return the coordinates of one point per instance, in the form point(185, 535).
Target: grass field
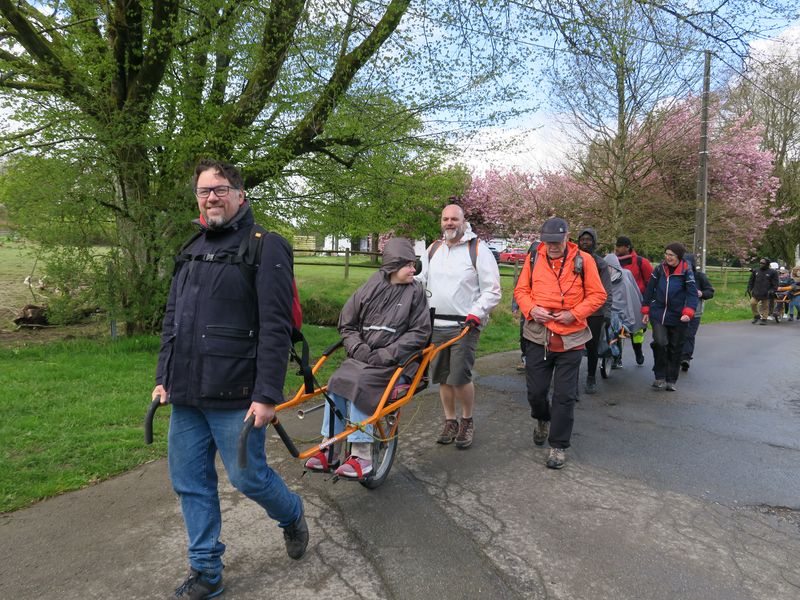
point(73, 409)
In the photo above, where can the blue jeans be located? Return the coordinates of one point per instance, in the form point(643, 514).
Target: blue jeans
point(355, 416)
point(195, 436)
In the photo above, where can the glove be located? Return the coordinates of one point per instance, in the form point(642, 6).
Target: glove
point(472, 321)
point(362, 352)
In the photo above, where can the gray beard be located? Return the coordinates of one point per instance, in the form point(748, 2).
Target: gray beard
point(216, 222)
point(452, 234)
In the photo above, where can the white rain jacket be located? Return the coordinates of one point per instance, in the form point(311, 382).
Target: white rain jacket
point(455, 287)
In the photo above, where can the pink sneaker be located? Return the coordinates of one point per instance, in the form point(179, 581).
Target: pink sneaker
point(355, 468)
point(319, 462)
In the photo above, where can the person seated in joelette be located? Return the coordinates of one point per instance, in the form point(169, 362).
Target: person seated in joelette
point(381, 324)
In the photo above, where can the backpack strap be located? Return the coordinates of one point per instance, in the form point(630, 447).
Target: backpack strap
point(183, 256)
point(472, 246)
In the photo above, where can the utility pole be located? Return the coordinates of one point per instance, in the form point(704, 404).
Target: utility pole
point(701, 207)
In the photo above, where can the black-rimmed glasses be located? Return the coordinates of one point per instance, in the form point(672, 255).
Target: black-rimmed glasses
point(220, 191)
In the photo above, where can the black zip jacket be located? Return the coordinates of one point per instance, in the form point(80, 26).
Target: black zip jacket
point(225, 340)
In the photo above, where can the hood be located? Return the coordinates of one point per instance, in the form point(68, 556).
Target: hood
point(612, 260)
point(591, 232)
point(397, 252)
point(689, 258)
point(613, 263)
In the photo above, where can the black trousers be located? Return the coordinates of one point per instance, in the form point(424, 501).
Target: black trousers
point(562, 368)
point(595, 324)
point(667, 346)
point(688, 342)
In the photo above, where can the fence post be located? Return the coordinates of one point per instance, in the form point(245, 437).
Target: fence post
point(516, 269)
point(347, 263)
point(724, 279)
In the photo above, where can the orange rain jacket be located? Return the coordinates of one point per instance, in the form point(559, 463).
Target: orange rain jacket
point(581, 298)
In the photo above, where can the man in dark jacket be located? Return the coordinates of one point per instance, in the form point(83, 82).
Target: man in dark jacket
point(705, 291)
point(223, 357)
point(761, 287)
point(587, 241)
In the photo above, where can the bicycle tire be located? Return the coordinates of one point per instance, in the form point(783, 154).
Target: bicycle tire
point(383, 450)
point(605, 366)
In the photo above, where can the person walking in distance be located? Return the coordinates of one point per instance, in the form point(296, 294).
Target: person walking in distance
point(224, 352)
point(762, 285)
point(641, 269)
point(558, 289)
point(587, 241)
point(463, 283)
point(705, 291)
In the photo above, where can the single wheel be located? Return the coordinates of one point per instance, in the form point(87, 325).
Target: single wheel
point(383, 450)
point(605, 366)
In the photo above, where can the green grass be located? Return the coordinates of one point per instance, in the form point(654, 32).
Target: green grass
point(73, 410)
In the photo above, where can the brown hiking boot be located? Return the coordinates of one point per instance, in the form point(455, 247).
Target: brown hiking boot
point(465, 433)
point(556, 458)
point(449, 432)
point(541, 432)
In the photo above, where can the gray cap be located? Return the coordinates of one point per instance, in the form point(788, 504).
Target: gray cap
point(554, 230)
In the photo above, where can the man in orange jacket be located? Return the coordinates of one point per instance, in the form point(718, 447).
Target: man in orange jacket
point(558, 288)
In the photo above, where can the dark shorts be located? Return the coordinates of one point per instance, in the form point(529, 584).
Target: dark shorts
point(453, 365)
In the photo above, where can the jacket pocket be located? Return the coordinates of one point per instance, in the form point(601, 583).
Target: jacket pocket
point(228, 362)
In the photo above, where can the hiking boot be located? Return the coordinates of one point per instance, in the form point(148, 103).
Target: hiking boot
point(762, 322)
point(199, 586)
point(296, 538)
point(540, 432)
point(521, 367)
point(658, 384)
point(616, 362)
point(465, 433)
point(591, 385)
point(556, 458)
point(637, 350)
point(684, 365)
point(449, 432)
point(756, 319)
point(670, 387)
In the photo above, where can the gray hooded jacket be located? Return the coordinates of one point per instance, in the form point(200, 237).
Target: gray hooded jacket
point(626, 297)
point(605, 275)
point(381, 325)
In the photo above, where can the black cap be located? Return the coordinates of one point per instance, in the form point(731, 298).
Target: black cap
point(624, 241)
point(554, 230)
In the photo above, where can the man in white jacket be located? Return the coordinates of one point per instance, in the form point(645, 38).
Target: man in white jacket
point(463, 282)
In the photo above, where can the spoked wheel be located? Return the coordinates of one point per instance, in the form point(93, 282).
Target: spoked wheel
point(605, 366)
point(383, 450)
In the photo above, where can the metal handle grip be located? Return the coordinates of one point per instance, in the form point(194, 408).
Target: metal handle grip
point(248, 426)
point(148, 420)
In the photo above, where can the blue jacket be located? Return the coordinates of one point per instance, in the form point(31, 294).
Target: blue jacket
point(225, 342)
point(668, 296)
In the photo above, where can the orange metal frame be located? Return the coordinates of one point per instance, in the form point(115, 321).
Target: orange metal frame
point(385, 407)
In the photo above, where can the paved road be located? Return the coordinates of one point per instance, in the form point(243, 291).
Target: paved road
point(686, 495)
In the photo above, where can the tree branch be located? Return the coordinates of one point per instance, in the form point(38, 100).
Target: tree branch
point(297, 141)
point(279, 29)
point(43, 52)
point(143, 87)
